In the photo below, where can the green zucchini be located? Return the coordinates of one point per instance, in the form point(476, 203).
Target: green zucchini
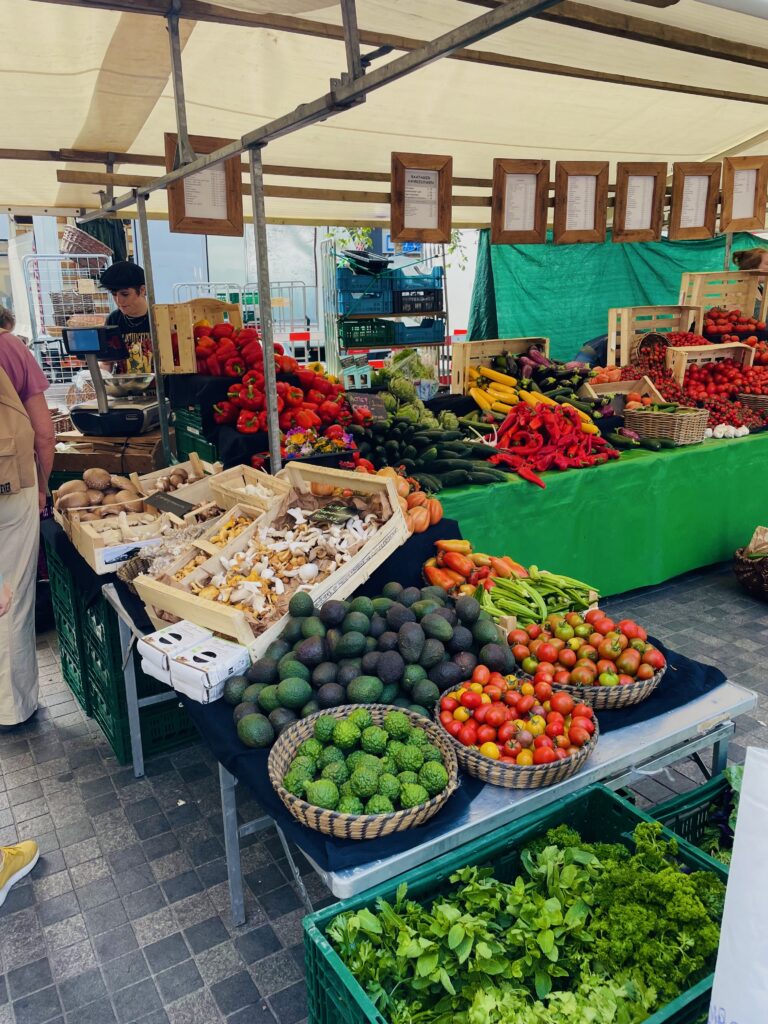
point(428, 455)
point(619, 441)
point(456, 478)
point(651, 443)
point(666, 442)
point(487, 476)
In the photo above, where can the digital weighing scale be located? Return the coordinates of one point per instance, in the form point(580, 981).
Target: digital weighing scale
point(120, 414)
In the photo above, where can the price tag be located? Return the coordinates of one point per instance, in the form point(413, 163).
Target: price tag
point(337, 512)
point(165, 502)
point(373, 403)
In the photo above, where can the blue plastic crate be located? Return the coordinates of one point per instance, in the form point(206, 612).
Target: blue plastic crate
point(370, 284)
point(427, 332)
point(360, 302)
point(402, 281)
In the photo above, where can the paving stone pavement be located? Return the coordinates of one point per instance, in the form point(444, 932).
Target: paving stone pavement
point(125, 918)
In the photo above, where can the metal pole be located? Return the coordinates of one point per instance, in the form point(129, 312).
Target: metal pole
point(146, 259)
point(184, 152)
point(265, 304)
point(728, 245)
point(351, 39)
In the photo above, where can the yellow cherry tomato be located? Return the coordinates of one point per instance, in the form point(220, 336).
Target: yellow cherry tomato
point(524, 757)
point(458, 693)
point(535, 730)
point(527, 689)
point(461, 714)
point(520, 724)
point(491, 750)
point(537, 721)
point(476, 687)
point(485, 699)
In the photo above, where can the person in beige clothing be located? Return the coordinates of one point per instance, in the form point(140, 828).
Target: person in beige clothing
point(26, 455)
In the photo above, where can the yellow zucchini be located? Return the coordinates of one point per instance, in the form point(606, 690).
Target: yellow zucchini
point(480, 397)
point(500, 378)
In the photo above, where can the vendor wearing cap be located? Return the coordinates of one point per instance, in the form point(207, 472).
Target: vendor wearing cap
point(125, 281)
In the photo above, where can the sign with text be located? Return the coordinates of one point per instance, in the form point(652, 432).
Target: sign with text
point(211, 201)
point(420, 199)
point(581, 202)
point(165, 502)
point(336, 512)
point(520, 201)
point(695, 189)
point(372, 402)
point(745, 182)
point(638, 212)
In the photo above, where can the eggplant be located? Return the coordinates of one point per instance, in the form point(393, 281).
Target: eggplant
point(537, 356)
point(626, 432)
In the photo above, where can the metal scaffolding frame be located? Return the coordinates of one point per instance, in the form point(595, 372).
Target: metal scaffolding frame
point(350, 89)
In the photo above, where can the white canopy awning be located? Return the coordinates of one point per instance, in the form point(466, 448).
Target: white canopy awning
point(100, 80)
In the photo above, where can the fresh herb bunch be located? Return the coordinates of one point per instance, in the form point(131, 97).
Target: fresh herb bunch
point(588, 932)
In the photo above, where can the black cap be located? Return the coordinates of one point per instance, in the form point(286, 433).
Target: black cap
point(122, 275)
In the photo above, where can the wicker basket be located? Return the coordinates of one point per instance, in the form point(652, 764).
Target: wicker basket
point(757, 402)
point(752, 574)
point(517, 776)
point(134, 567)
point(679, 427)
point(77, 242)
point(613, 698)
point(358, 826)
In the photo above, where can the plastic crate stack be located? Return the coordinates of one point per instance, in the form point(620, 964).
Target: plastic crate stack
point(389, 294)
point(91, 663)
point(190, 435)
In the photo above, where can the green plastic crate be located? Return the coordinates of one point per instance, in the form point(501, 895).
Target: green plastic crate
point(187, 442)
point(61, 476)
point(190, 416)
point(333, 994)
point(74, 675)
point(366, 333)
point(687, 814)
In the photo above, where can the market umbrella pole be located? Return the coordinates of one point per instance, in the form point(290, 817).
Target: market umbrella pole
point(146, 259)
point(265, 303)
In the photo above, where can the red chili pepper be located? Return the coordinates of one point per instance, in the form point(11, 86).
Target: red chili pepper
point(530, 476)
point(248, 422)
point(225, 412)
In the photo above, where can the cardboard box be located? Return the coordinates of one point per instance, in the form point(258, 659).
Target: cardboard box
point(160, 647)
point(124, 455)
point(202, 670)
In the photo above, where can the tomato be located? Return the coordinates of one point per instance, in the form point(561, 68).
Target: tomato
point(645, 672)
point(593, 615)
point(496, 716)
point(583, 631)
point(562, 677)
point(609, 649)
point(525, 704)
point(557, 644)
point(517, 636)
point(562, 702)
point(608, 679)
point(588, 651)
point(544, 755)
point(470, 699)
point(574, 619)
point(475, 687)
point(604, 665)
point(449, 704)
point(497, 679)
point(511, 697)
point(567, 658)
point(547, 653)
point(561, 754)
point(604, 626)
point(655, 659)
point(506, 732)
point(595, 639)
point(576, 643)
point(524, 757)
point(542, 690)
point(554, 620)
point(481, 674)
point(626, 680)
point(629, 628)
point(578, 737)
point(543, 741)
point(529, 665)
point(555, 729)
point(561, 742)
point(638, 645)
point(545, 669)
point(533, 630)
point(629, 662)
point(494, 692)
point(582, 723)
point(467, 735)
point(526, 689)
point(454, 728)
point(582, 711)
point(480, 714)
point(446, 718)
point(490, 750)
point(564, 632)
point(486, 734)
point(583, 676)
point(462, 714)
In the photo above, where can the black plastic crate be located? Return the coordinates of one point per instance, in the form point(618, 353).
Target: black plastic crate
point(425, 301)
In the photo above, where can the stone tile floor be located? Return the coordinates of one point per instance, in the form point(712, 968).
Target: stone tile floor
point(125, 919)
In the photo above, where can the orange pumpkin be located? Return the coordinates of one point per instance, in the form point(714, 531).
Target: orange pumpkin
point(435, 510)
point(418, 519)
point(416, 499)
point(403, 504)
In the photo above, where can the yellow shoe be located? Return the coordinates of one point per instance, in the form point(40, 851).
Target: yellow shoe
point(16, 862)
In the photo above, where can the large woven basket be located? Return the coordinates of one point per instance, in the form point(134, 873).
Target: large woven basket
point(757, 402)
point(134, 567)
point(679, 427)
point(358, 826)
point(78, 242)
point(752, 574)
point(613, 698)
point(517, 776)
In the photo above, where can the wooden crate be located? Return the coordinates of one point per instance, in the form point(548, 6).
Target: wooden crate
point(170, 603)
point(643, 386)
point(66, 518)
point(207, 540)
point(229, 488)
point(103, 555)
point(628, 325)
point(729, 289)
point(196, 493)
point(174, 329)
point(679, 359)
point(478, 353)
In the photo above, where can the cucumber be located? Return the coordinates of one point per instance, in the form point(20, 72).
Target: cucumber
point(456, 478)
point(427, 481)
point(483, 449)
point(409, 452)
point(355, 429)
point(619, 441)
point(651, 443)
point(666, 442)
point(444, 435)
point(487, 476)
point(447, 465)
point(428, 455)
point(408, 465)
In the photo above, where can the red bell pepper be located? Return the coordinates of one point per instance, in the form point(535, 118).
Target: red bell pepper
point(252, 353)
point(225, 412)
point(214, 366)
point(314, 396)
point(226, 349)
point(248, 422)
point(294, 397)
point(306, 379)
point(234, 367)
point(233, 394)
point(254, 377)
point(251, 397)
point(258, 461)
point(307, 420)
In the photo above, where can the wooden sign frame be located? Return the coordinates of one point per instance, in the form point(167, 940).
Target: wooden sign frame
point(657, 171)
point(178, 219)
point(680, 172)
point(564, 170)
point(731, 165)
point(538, 234)
point(402, 162)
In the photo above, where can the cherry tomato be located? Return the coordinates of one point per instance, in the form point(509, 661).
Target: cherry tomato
point(533, 630)
point(486, 734)
point(449, 704)
point(543, 741)
point(562, 702)
point(446, 718)
point(582, 711)
point(467, 735)
point(481, 675)
point(578, 737)
point(470, 699)
point(525, 704)
point(454, 728)
point(517, 636)
point(542, 690)
point(544, 755)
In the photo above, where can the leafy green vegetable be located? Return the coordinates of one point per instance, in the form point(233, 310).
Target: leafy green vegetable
point(587, 932)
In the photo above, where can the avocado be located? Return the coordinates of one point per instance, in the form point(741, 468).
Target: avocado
point(410, 641)
point(493, 656)
point(332, 613)
point(294, 693)
point(255, 731)
point(468, 609)
point(263, 671)
point(425, 693)
point(410, 596)
point(311, 651)
point(434, 594)
point(412, 675)
point(351, 645)
point(280, 719)
point(369, 662)
point(323, 673)
point(301, 605)
point(485, 632)
point(289, 667)
point(390, 667)
point(365, 690)
point(467, 662)
point(392, 591)
point(378, 626)
point(268, 699)
point(277, 650)
point(292, 631)
point(312, 626)
point(381, 605)
point(448, 614)
point(252, 692)
point(349, 671)
point(445, 675)
point(389, 693)
point(387, 641)
point(332, 638)
point(371, 644)
point(330, 695)
point(436, 627)
point(417, 709)
point(310, 708)
point(431, 653)
point(248, 707)
point(461, 640)
point(363, 605)
point(422, 608)
point(398, 615)
point(234, 688)
point(484, 615)
point(401, 702)
point(356, 622)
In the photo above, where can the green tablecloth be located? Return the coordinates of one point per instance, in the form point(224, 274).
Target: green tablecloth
point(630, 523)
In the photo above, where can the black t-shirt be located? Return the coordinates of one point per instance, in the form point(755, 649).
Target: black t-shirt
point(135, 331)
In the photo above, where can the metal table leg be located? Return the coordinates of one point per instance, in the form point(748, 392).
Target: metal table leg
point(720, 756)
point(127, 640)
point(227, 783)
point(295, 871)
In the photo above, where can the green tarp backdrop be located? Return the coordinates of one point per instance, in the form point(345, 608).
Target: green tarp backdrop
point(564, 292)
